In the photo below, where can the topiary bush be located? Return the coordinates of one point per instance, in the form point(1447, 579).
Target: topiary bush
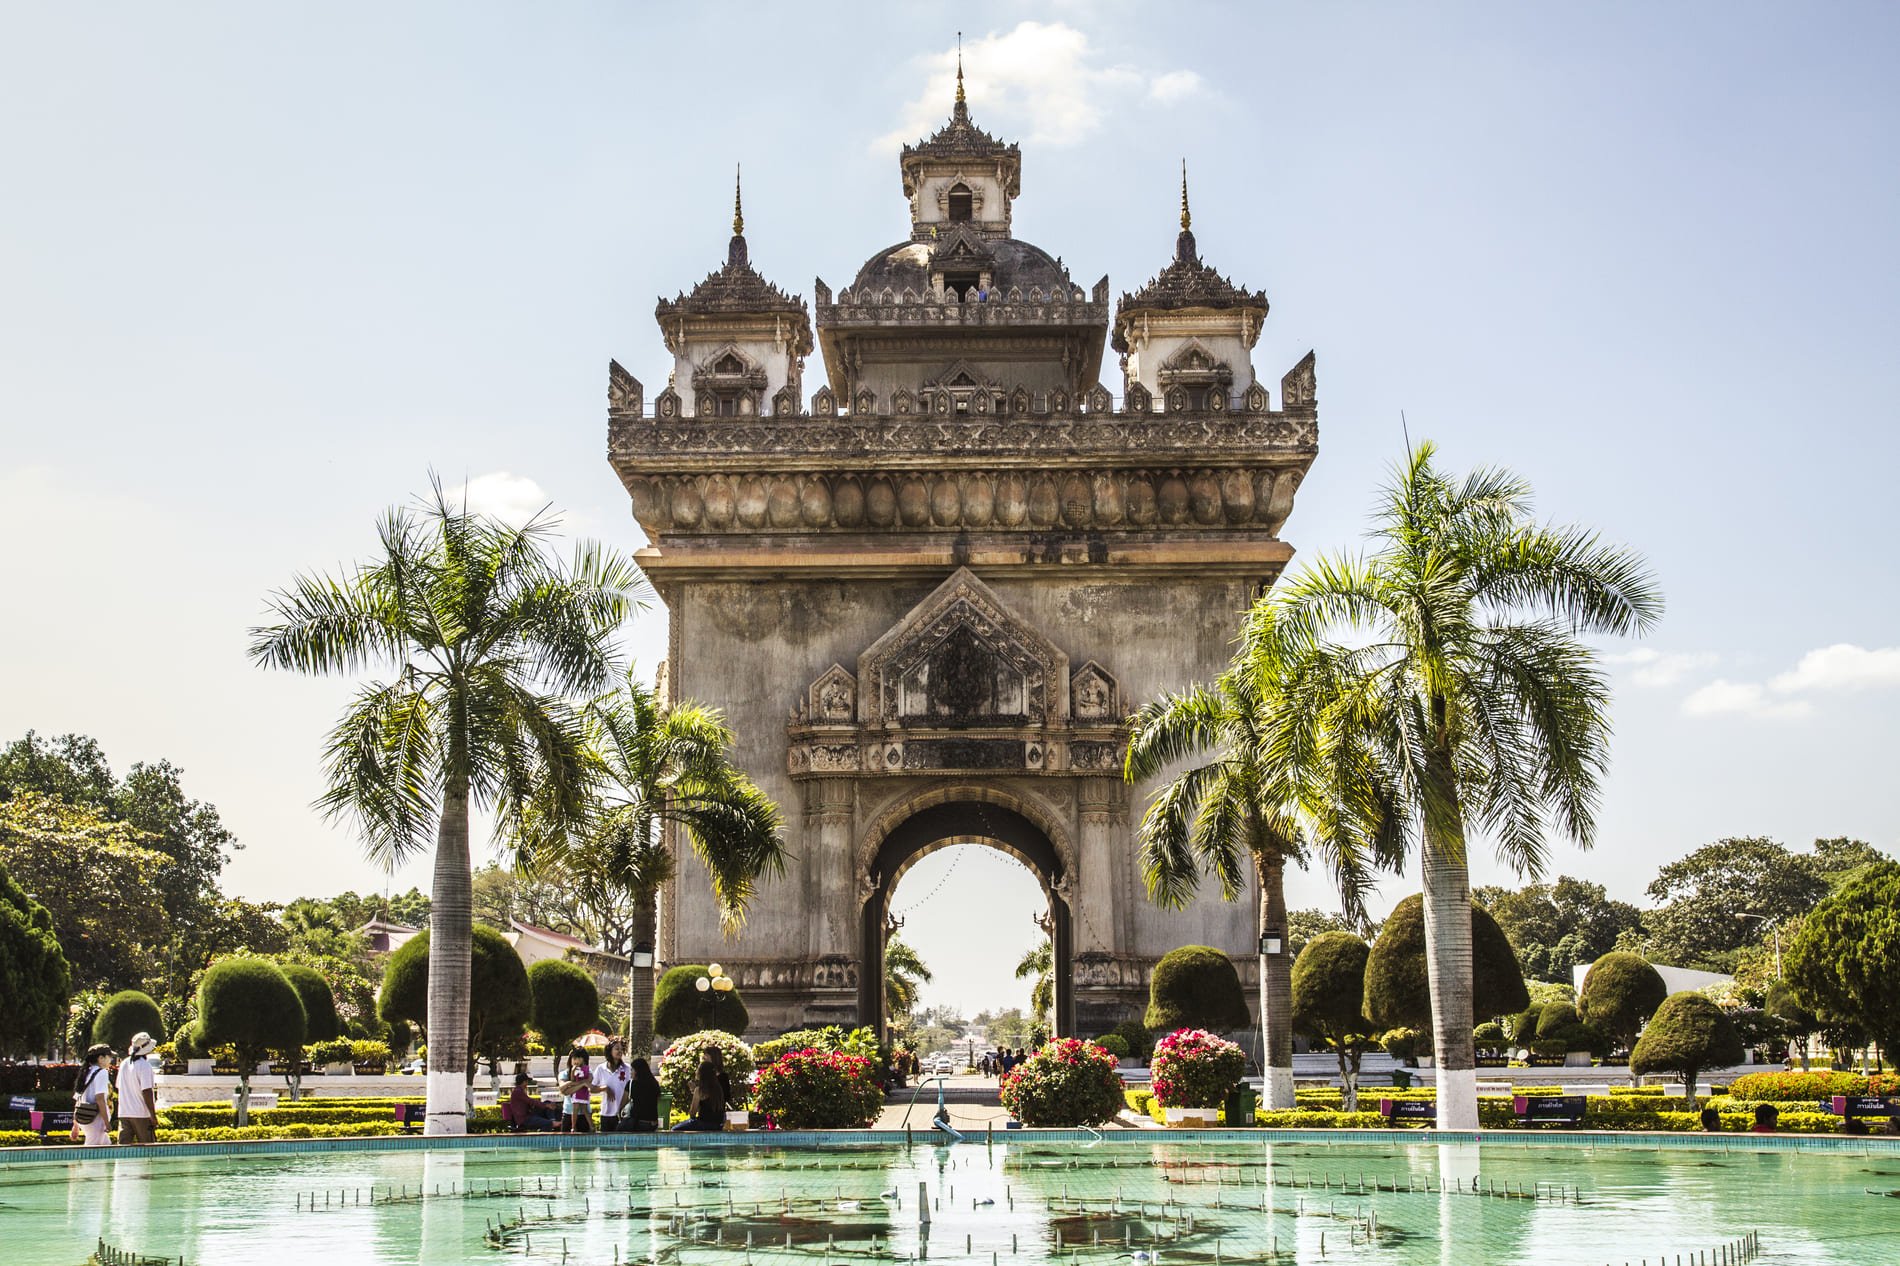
point(1489, 1036)
point(811, 1089)
point(1620, 992)
point(498, 998)
point(1559, 1026)
point(1329, 988)
point(35, 978)
point(1196, 987)
point(680, 1063)
point(679, 1007)
point(1196, 1069)
point(1402, 1044)
point(1687, 1034)
point(249, 1005)
point(187, 1044)
point(1398, 993)
point(1114, 1043)
point(319, 1003)
point(566, 1002)
point(124, 1014)
point(1067, 1082)
point(1140, 1039)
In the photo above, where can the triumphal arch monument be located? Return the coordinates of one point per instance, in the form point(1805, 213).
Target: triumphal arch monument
point(928, 593)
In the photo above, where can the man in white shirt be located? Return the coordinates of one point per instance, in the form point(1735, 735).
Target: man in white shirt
point(138, 1093)
point(611, 1077)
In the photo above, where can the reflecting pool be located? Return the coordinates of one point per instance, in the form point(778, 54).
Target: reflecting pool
point(1140, 1198)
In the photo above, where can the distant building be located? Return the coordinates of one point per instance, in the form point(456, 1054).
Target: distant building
point(385, 937)
point(538, 944)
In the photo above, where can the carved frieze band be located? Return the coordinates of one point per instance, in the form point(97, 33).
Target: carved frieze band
point(995, 500)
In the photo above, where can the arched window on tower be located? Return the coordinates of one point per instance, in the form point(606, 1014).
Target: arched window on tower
point(962, 202)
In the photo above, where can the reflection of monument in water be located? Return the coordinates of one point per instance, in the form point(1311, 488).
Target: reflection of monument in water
point(926, 595)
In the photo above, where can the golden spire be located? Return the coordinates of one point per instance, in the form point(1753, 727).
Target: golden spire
point(960, 100)
point(1186, 219)
point(738, 211)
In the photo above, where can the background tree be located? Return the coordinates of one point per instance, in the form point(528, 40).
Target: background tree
point(125, 1014)
point(1796, 1018)
point(1038, 965)
point(1620, 992)
point(1329, 990)
point(248, 1004)
point(1555, 927)
point(904, 975)
point(659, 767)
point(320, 1018)
point(1846, 959)
point(1242, 808)
point(1196, 987)
point(504, 894)
point(1397, 970)
point(1303, 925)
point(680, 1007)
point(499, 999)
point(35, 979)
point(1687, 1034)
point(1452, 655)
point(91, 874)
point(1699, 898)
point(566, 1004)
point(485, 633)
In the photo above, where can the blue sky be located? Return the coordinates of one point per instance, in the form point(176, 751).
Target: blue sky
point(262, 267)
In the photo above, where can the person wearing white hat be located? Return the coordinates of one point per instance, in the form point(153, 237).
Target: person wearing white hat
point(138, 1093)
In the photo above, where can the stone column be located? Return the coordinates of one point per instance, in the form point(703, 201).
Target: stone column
point(832, 884)
point(1099, 812)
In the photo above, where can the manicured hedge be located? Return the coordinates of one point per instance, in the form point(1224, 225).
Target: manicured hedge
point(480, 1121)
point(1811, 1087)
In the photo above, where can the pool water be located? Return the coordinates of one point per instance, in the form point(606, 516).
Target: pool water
point(1138, 1199)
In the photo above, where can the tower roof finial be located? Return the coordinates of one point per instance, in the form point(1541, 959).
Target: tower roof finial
point(738, 208)
point(960, 100)
point(1187, 221)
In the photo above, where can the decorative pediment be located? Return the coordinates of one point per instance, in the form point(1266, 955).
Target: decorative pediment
point(961, 375)
point(833, 698)
point(623, 391)
point(963, 658)
point(1094, 694)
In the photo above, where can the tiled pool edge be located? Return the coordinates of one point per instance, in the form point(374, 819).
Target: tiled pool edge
point(1628, 1140)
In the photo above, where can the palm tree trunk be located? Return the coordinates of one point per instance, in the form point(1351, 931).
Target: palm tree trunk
point(646, 924)
point(1448, 973)
point(1276, 989)
point(451, 902)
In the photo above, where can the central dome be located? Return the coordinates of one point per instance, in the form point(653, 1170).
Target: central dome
point(1012, 263)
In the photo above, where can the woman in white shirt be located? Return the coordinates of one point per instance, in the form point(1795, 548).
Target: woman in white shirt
point(93, 1090)
point(611, 1079)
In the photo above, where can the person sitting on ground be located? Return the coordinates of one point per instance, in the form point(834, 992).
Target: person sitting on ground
point(577, 1095)
point(524, 1111)
point(708, 1112)
point(1767, 1118)
point(1711, 1121)
point(643, 1099)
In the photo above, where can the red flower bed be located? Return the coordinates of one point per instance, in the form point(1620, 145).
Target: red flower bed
point(1067, 1082)
point(811, 1089)
point(1196, 1069)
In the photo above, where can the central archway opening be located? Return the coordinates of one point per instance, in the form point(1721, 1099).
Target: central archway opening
point(953, 825)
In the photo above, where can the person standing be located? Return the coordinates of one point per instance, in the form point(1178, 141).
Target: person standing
point(138, 1092)
point(92, 1098)
point(577, 1091)
point(611, 1080)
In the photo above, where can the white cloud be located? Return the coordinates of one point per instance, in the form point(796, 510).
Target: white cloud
point(1842, 667)
point(1041, 76)
point(1834, 669)
point(514, 499)
point(1741, 698)
point(1650, 667)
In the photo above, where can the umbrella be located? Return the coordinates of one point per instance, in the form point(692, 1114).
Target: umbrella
point(594, 1041)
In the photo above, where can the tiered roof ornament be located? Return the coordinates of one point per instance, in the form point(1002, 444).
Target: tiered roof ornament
point(736, 288)
point(1187, 283)
point(962, 142)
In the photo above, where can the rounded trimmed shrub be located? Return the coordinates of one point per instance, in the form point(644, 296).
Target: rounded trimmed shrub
point(811, 1089)
point(680, 1063)
point(319, 1004)
point(1398, 993)
point(498, 997)
point(1196, 1069)
point(679, 1007)
point(126, 1013)
point(249, 1005)
point(1114, 1043)
point(1687, 1034)
point(1329, 988)
point(1489, 1036)
point(566, 1002)
point(1141, 1042)
point(187, 1044)
point(1402, 1044)
point(1066, 1082)
point(1196, 987)
point(1620, 992)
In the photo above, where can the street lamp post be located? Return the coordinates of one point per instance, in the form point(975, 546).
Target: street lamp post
point(712, 984)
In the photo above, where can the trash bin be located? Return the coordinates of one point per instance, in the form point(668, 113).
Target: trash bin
point(666, 1110)
point(1237, 1112)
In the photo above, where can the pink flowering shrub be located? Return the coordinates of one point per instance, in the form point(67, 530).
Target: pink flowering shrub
point(1067, 1082)
point(811, 1089)
point(1195, 1069)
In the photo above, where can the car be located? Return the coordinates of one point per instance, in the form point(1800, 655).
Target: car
point(414, 1066)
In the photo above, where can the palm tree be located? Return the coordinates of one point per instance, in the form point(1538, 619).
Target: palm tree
point(1040, 963)
point(657, 765)
point(904, 973)
point(1449, 661)
point(483, 632)
point(1245, 805)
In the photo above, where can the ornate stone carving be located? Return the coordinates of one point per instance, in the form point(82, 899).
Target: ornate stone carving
point(1096, 695)
point(666, 405)
point(961, 656)
point(785, 402)
point(623, 392)
point(1297, 388)
point(824, 404)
